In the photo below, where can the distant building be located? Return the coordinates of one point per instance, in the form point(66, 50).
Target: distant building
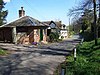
point(57, 26)
point(63, 32)
point(54, 26)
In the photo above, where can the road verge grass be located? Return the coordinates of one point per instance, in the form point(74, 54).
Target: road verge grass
point(3, 52)
point(87, 61)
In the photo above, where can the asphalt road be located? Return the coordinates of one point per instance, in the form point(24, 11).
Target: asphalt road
point(30, 60)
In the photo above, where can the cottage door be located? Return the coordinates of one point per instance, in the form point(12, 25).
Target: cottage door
point(41, 34)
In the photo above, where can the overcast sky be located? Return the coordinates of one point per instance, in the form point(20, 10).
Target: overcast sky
point(43, 10)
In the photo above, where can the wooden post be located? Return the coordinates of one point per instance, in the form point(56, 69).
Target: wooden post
point(14, 35)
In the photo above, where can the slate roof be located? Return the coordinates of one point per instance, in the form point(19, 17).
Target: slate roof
point(25, 21)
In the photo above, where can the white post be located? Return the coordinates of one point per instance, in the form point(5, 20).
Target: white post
point(74, 54)
point(82, 41)
point(63, 72)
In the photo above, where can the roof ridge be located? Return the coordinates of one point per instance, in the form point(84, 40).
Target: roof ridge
point(23, 21)
point(14, 21)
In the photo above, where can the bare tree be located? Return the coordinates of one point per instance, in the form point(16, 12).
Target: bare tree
point(85, 4)
point(90, 5)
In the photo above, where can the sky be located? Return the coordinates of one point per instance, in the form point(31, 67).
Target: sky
point(42, 10)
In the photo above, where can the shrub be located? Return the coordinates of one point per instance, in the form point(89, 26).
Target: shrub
point(56, 36)
point(53, 36)
point(82, 67)
point(88, 36)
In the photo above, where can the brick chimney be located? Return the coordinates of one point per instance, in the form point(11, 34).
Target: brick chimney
point(21, 12)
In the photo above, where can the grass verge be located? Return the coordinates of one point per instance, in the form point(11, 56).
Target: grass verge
point(87, 62)
point(3, 52)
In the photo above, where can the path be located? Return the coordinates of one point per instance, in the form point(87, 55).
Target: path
point(29, 60)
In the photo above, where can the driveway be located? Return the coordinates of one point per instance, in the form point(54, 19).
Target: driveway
point(30, 60)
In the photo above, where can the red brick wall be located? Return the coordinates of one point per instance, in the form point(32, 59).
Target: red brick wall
point(33, 35)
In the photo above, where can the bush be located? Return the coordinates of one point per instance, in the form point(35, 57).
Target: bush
point(85, 48)
point(51, 37)
point(71, 33)
point(82, 67)
point(88, 36)
point(54, 36)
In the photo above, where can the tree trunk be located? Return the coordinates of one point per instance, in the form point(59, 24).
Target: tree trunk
point(99, 11)
point(95, 25)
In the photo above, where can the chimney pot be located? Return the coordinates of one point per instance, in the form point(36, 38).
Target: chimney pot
point(21, 8)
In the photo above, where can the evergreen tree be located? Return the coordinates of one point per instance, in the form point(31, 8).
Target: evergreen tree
point(3, 13)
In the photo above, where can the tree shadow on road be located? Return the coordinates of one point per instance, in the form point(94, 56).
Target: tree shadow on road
point(14, 60)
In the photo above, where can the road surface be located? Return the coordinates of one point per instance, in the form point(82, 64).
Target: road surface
point(30, 60)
